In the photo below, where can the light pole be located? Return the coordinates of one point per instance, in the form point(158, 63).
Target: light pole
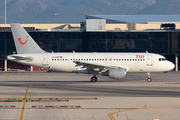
point(93, 9)
point(5, 12)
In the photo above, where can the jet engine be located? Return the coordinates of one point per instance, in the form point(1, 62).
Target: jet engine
point(116, 73)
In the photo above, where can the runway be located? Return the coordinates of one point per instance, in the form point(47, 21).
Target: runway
point(41, 95)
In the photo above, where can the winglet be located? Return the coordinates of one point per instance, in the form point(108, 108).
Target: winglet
point(23, 41)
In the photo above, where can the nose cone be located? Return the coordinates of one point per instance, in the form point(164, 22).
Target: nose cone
point(171, 66)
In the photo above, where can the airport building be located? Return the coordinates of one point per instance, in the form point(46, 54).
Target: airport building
point(101, 33)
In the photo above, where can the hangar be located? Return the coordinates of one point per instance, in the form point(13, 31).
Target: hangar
point(101, 33)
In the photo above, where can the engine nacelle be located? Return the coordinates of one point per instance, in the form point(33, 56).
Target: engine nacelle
point(116, 73)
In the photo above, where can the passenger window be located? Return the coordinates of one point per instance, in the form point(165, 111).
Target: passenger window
point(97, 59)
point(124, 59)
point(116, 59)
point(119, 59)
point(132, 59)
point(127, 59)
point(57, 59)
point(159, 59)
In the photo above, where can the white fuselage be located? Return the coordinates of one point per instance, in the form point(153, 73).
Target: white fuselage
point(133, 62)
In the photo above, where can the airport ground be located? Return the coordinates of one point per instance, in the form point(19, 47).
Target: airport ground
point(67, 96)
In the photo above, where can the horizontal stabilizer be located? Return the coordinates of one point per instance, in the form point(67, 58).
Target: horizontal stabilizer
point(20, 58)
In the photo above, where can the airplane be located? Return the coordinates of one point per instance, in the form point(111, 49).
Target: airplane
point(113, 65)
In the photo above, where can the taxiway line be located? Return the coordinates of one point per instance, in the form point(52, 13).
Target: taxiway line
point(111, 115)
point(24, 103)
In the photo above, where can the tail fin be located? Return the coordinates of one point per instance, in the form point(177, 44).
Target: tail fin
point(23, 41)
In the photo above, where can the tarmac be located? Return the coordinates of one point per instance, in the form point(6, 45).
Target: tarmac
point(71, 96)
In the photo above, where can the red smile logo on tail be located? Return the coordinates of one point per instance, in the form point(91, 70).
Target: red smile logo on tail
point(22, 42)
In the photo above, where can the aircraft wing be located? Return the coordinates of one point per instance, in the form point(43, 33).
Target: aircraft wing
point(93, 66)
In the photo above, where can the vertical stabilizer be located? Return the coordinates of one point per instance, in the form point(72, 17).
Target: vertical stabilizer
point(23, 41)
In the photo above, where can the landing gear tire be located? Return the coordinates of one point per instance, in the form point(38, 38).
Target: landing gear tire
point(94, 79)
point(149, 79)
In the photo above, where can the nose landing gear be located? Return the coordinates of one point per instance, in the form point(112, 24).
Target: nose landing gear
point(148, 77)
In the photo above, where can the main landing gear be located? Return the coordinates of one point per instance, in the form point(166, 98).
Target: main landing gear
point(148, 77)
point(94, 78)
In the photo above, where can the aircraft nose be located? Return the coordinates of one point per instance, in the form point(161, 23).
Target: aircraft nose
point(171, 65)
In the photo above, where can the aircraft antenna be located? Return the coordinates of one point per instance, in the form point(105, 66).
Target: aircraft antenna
point(74, 51)
point(146, 51)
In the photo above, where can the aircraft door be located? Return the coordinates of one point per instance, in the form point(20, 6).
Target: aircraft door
point(149, 60)
point(45, 60)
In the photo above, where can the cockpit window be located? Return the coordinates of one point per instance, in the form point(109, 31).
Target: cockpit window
point(162, 59)
point(165, 59)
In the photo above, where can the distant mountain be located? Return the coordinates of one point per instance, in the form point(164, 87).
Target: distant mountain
point(74, 11)
point(166, 7)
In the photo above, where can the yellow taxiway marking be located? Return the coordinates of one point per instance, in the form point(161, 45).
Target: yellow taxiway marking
point(24, 103)
point(112, 117)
